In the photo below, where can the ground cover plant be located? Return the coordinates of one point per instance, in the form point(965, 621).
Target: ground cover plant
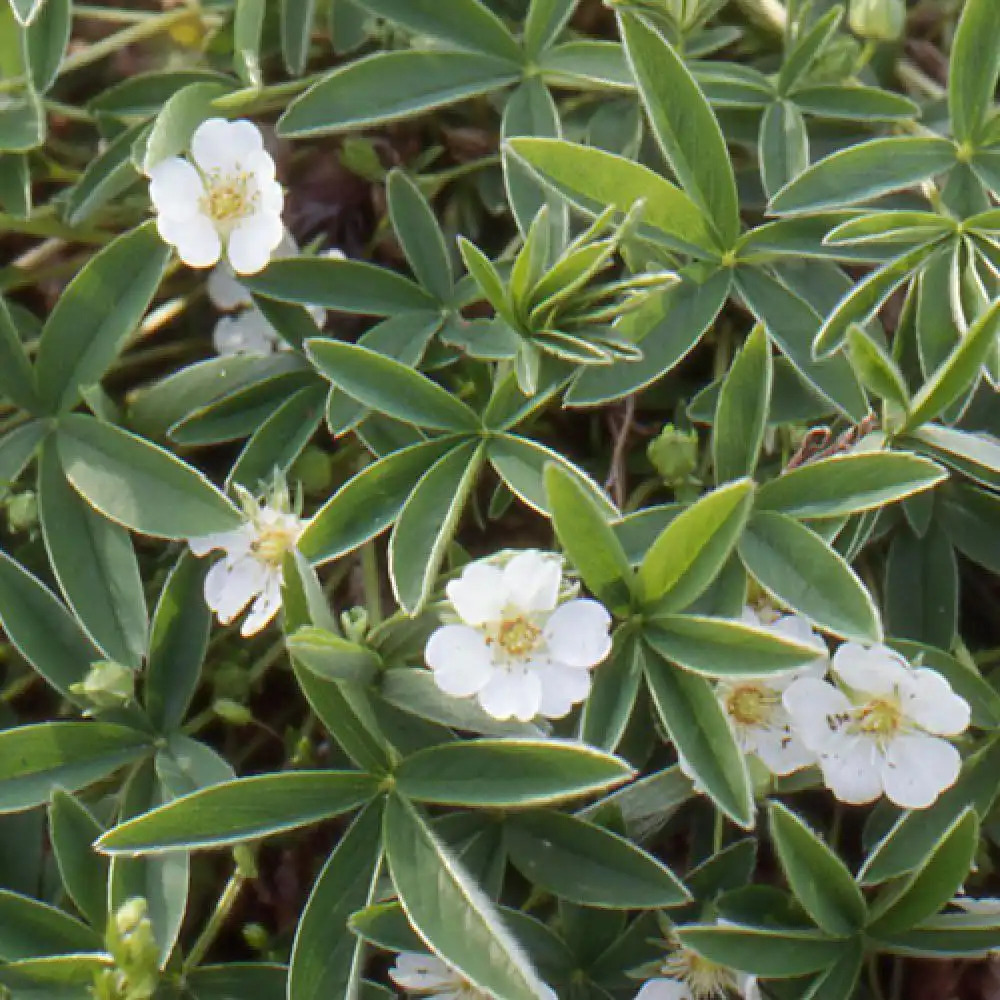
point(501, 499)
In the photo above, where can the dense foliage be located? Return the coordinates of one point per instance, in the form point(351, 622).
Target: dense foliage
point(502, 499)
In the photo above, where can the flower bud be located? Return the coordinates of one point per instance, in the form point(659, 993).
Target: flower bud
point(354, 622)
point(232, 712)
point(22, 511)
point(130, 915)
point(107, 685)
point(674, 454)
point(878, 20)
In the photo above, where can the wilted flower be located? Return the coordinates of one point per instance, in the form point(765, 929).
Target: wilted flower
point(226, 201)
point(518, 650)
point(880, 730)
point(758, 716)
point(686, 975)
point(251, 569)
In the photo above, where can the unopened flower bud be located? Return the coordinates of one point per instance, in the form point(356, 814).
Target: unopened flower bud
point(107, 685)
point(22, 511)
point(129, 915)
point(354, 622)
point(878, 20)
point(674, 454)
point(232, 712)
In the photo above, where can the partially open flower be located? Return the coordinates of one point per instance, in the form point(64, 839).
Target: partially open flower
point(427, 976)
point(518, 650)
point(686, 975)
point(226, 202)
point(881, 730)
point(251, 569)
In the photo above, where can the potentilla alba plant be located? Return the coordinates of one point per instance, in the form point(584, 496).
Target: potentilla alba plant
point(225, 201)
point(518, 650)
point(881, 728)
point(762, 724)
point(251, 567)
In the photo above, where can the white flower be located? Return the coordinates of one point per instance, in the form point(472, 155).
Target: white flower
point(428, 976)
point(250, 570)
point(226, 201)
point(688, 976)
point(248, 332)
point(759, 719)
point(881, 730)
point(519, 653)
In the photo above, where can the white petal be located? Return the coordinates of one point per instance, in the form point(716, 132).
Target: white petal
point(932, 704)
point(577, 633)
point(747, 985)
point(917, 769)
point(854, 772)
point(460, 659)
point(421, 972)
point(248, 332)
point(986, 907)
point(781, 749)
point(225, 291)
point(250, 244)
point(532, 580)
point(219, 145)
point(664, 989)
point(229, 587)
point(815, 708)
point(478, 594)
point(175, 188)
point(512, 693)
point(562, 688)
point(267, 605)
point(195, 239)
point(871, 669)
point(749, 616)
point(271, 200)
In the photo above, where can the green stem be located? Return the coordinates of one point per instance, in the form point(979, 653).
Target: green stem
point(254, 100)
point(718, 832)
point(219, 915)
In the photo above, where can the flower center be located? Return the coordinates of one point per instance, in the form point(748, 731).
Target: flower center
point(228, 197)
point(750, 705)
point(273, 542)
point(706, 980)
point(881, 717)
point(518, 637)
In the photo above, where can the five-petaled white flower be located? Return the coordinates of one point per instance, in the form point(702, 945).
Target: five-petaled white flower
point(758, 716)
point(427, 976)
point(518, 650)
point(226, 201)
point(251, 569)
point(881, 730)
point(685, 975)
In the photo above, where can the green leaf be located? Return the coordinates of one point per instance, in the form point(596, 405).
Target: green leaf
point(974, 455)
point(544, 23)
point(876, 369)
point(297, 17)
point(959, 371)
point(741, 413)
point(261, 980)
point(390, 387)
point(46, 40)
point(775, 953)
point(176, 121)
point(17, 380)
point(139, 484)
point(819, 879)
point(690, 712)
point(390, 85)
point(427, 522)
point(840, 980)
point(25, 11)
point(933, 883)
point(30, 929)
point(783, 147)
point(582, 528)
point(973, 70)
point(799, 569)
point(42, 630)
point(94, 564)
point(508, 773)
point(15, 184)
point(863, 172)
point(715, 647)
point(684, 125)
point(237, 811)
point(921, 587)
point(420, 235)
point(854, 102)
point(22, 121)
point(586, 864)
point(17, 447)
point(592, 180)
point(333, 657)
point(84, 873)
point(97, 314)
point(439, 896)
point(849, 483)
point(37, 759)
point(466, 24)
point(142, 95)
point(350, 286)
point(585, 62)
point(110, 174)
point(248, 26)
point(948, 935)
point(327, 958)
point(801, 57)
point(688, 554)
point(369, 502)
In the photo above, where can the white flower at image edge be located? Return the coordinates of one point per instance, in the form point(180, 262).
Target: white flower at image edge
point(428, 976)
point(226, 202)
point(881, 730)
point(762, 724)
point(517, 650)
point(250, 569)
point(688, 976)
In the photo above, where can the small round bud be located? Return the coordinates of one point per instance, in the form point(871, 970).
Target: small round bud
point(232, 712)
point(878, 20)
point(674, 454)
point(22, 511)
point(107, 685)
point(129, 915)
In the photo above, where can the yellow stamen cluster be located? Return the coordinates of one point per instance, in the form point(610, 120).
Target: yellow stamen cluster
point(518, 637)
point(750, 704)
point(706, 980)
point(228, 197)
point(273, 542)
point(881, 717)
